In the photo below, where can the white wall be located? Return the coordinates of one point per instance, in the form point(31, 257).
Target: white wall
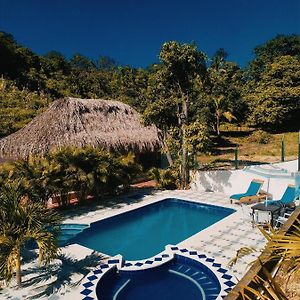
point(237, 181)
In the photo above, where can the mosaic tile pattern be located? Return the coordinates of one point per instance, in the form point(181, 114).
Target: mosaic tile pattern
point(89, 291)
point(220, 244)
point(226, 280)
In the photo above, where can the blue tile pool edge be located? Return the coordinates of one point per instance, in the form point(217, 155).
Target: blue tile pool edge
point(226, 280)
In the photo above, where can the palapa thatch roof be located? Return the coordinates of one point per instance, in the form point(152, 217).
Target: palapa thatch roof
point(112, 125)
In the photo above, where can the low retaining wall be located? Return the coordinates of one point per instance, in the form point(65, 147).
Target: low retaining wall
point(237, 181)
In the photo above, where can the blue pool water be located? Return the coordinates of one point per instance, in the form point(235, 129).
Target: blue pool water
point(144, 232)
point(179, 279)
point(68, 231)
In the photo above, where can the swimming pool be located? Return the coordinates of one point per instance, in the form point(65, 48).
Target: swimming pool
point(175, 274)
point(144, 232)
point(178, 279)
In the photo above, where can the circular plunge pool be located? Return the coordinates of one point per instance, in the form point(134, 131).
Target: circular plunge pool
point(180, 278)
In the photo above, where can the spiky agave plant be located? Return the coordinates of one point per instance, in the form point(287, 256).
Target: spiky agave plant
point(21, 221)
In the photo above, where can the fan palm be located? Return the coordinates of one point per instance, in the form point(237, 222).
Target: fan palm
point(21, 221)
point(94, 164)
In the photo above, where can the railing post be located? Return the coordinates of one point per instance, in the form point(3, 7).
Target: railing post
point(299, 151)
point(282, 149)
point(236, 162)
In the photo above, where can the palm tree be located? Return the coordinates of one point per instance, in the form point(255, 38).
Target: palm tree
point(36, 176)
point(284, 247)
point(122, 170)
point(92, 167)
point(221, 111)
point(22, 220)
point(218, 77)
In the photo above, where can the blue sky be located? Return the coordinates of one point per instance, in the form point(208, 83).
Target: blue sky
point(132, 31)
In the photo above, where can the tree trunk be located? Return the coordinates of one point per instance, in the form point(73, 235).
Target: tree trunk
point(166, 147)
point(218, 124)
point(97, 191)
point(64, 199)
point(18, 268)
point(184, 164)
point(82, 194)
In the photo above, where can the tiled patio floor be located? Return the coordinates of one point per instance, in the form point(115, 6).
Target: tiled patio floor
point(220, 241)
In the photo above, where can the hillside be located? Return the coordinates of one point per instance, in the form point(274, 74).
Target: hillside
point(253, 147)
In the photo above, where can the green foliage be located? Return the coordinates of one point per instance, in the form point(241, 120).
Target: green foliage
point(15, 60)
point(197, 137)
point(275, 100)
point(222, 89)
point(185, 87)
point(21, 221)
point(181, 65)
point(266, 54)
point(86, 171)
point(260, 137)
point(166, 178)
point(18, 107)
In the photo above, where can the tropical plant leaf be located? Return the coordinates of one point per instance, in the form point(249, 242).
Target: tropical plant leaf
point(228, 116)
point(242, 252)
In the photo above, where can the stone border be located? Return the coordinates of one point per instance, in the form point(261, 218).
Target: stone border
point(227, 281)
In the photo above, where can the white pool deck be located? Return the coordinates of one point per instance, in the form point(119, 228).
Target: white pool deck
point(220, 241)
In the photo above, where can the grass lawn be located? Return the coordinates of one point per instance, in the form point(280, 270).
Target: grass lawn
point(253, 147)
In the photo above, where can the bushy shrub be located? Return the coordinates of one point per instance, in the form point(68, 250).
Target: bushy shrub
point(85, 171)
point(260, 137)
point(166, 178)
point(18, 107)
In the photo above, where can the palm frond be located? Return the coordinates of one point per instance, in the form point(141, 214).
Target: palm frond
point(242, 252)
point(21, 221)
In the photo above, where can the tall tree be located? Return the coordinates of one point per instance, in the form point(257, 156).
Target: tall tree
point(182, 64)
point(223, 90)
point(274, 101)
point(16, 60)
point(81, 62)
point(267, 53)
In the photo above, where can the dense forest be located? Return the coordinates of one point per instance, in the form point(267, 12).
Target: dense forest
point(187, 95)
point(265, 94)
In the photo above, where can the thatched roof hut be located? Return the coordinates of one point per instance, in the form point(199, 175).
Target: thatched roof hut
point(112, 125)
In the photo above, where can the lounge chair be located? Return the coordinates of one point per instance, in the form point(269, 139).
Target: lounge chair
point(251, 195)
point(288, 197)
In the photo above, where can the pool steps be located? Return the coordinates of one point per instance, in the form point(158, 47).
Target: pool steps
point(69, 231)
point(105, 272)
point(189, 272)
point(211, 292)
